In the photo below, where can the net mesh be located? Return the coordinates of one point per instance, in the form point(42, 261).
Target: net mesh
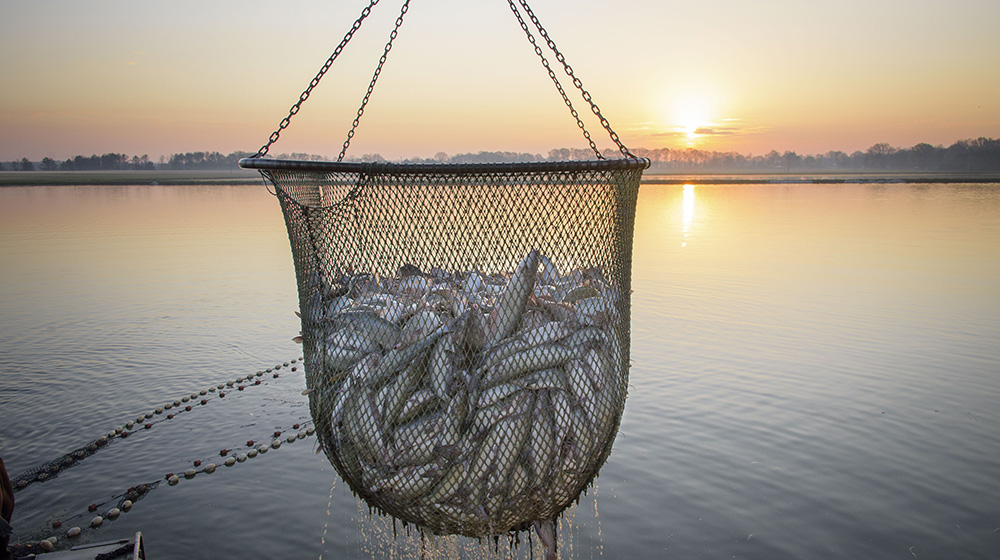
point(465, 330)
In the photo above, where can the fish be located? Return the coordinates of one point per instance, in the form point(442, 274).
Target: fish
point(418, 327)
point(594, 311)
point(476, 329)
point(473, 283)
point(533, 359)
point(512, 301)
point(361, 422)
point(549, 273)
point(441, 366)
point(550, 332)
point(578, 293)
point(415, 285)
point(419, 402)
point(547, 534)
point(449, 484)
point(580, 386)
point(477, 402)
point(409, 482)
point(498, 393)
point(350, 339)
point(338, 358)
point(541, 445)
point(368, 325)
point(398, 358)
point(552, 378)
point(397, 391)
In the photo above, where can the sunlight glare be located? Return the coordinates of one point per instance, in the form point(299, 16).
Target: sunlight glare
point(688, 208)
point(691, 112)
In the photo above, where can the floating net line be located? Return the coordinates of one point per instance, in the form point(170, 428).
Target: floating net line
point(465, 330)
point(184, 404)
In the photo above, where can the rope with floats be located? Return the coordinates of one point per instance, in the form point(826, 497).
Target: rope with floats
point(123, 502)
point(145, 421)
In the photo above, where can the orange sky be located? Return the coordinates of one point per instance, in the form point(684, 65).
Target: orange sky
point(116, 76)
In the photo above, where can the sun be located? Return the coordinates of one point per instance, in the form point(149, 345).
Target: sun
point(690, 113)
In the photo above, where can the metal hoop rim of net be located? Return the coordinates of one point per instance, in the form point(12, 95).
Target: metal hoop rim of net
point(390, 168)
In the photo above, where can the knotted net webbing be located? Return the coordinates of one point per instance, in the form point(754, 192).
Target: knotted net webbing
point(465, 329)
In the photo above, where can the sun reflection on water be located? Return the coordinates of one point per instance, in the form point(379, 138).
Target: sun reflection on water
point(688, 215)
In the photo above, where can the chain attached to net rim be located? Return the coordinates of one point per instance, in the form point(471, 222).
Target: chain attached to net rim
point(555, 80)
point(371, 85)
point(399, 20)
point(569, 72)
point(315, 81)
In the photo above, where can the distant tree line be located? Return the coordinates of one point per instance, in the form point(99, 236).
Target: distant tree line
point(973, 155)
point(107, 162)
point(205, 160)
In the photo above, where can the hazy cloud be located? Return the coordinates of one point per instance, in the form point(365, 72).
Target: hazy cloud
point(715, 130)
point(729, 128)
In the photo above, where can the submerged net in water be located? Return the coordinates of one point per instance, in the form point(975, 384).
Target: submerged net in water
point(465, 328)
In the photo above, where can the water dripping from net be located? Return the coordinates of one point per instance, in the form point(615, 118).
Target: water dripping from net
point(326, 524)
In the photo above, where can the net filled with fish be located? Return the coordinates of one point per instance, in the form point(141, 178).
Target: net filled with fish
point(466, 331)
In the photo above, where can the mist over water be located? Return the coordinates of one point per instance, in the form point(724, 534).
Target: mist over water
point(814, 374)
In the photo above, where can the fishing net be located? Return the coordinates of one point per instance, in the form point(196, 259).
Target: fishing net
point(466, 326)
point(465, 329)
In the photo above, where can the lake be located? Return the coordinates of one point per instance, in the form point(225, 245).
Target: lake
point(815, 374)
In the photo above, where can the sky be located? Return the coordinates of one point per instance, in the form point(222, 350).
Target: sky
point(158, 78)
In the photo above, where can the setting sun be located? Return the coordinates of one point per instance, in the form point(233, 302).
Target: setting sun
point(690, 114)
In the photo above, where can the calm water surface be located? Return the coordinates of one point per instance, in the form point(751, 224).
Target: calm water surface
point(816, 374)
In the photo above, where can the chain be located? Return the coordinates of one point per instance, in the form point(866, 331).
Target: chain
point(576, 81)
point(371, 86)
point(555, 80)
point(399, 21)
point(315, 81)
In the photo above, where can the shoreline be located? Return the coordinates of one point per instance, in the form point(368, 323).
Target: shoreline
point(252, 178)
point(102, 178)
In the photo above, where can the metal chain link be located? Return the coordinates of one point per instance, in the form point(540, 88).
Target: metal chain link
point(371, 86)
point(576, 81)
point(555, 80)
point(315, 81)
point(538, 51)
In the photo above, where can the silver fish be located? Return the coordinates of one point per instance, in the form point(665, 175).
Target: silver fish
point(400, 357)
point(417, 403)
point(398, 390)
point(511, 303)
point(473, 283)
point(498, 393)
point(550, 332)
point(351, 339)
point(541, 446)
point(578, 293)
point(441, 366)
point(552, 378)
point(368, 324)
point(580, 386)
point(409, 482)
point(594, 311)
point(418, 327)
point(548, 274)
point(533, 359)
point(415, 285)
